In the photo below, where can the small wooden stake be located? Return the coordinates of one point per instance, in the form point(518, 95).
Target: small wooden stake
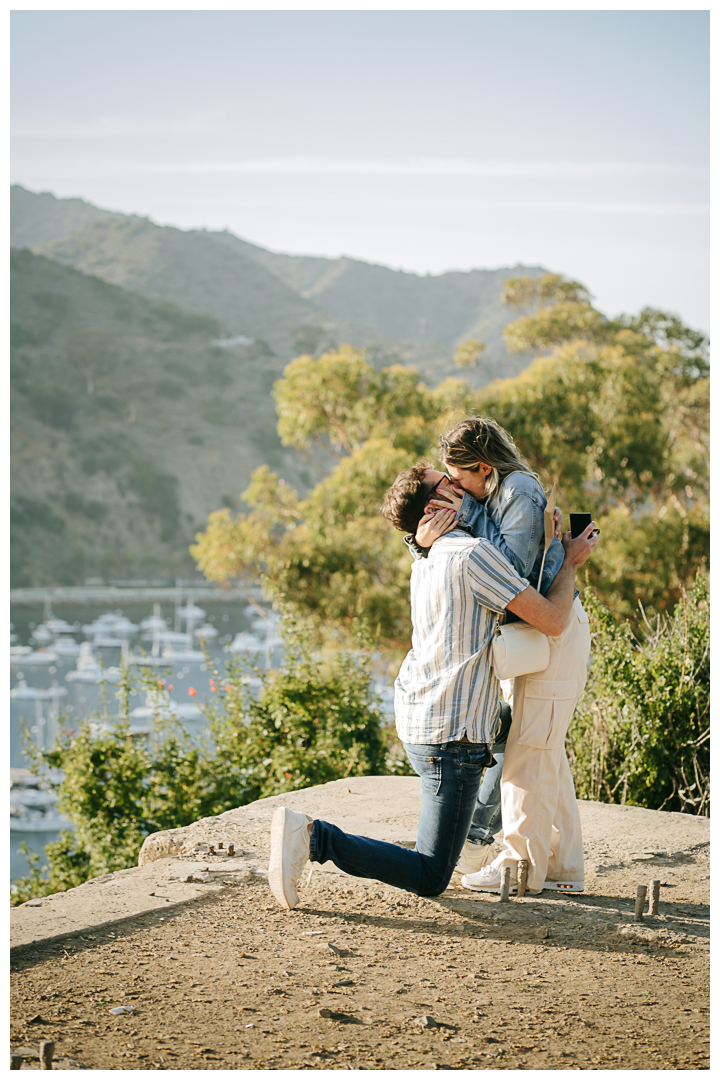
point(640, 902)
point(522, 877)
point(505, 884)
point(47, 1049)
point(655, 896)
point(16, 1061)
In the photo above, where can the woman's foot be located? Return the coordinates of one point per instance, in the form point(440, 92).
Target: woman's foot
point(475, 856)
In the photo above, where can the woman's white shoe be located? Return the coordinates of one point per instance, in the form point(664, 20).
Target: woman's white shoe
point(489, 879)
point(474, 857)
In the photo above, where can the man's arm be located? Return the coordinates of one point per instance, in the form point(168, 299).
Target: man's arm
point(549, 614)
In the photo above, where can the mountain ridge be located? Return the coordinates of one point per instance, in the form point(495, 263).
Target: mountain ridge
point(339, 299)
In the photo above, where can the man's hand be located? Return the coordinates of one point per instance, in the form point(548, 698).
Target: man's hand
point(434, 525)
point(558, 519)
point(579, 550)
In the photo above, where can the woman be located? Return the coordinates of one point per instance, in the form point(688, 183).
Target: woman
point(503, 502)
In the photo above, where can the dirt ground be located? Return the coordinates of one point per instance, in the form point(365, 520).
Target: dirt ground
point(362, 976)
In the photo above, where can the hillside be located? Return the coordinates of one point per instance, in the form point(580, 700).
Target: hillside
point(445, 308)
point(187, 269)
point(130, 423)
point(128, 427)
point(39, 218)
point(295, 303)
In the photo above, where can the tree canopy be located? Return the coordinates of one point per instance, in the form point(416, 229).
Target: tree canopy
point(615, 411)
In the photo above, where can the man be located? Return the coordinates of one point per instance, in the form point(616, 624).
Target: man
point(447, 701)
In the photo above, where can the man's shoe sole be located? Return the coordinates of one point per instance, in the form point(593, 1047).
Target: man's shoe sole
point(565, 886)
point(277, 847)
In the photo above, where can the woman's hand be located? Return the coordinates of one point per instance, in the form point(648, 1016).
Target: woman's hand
point(434, 525)
point(558, 518)
point(447, 497)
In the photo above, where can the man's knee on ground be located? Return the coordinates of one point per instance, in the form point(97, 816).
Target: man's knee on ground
point(435, 888)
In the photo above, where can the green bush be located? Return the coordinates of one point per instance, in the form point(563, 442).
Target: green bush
point(311, 722)
point(641, 732)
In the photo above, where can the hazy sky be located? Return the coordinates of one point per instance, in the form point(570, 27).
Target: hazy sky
point(426, 141)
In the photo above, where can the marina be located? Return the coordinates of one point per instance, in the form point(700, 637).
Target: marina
point(67, 654)
point(67, 651)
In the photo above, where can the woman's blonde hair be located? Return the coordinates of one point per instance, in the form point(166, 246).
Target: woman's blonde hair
point(479, 440)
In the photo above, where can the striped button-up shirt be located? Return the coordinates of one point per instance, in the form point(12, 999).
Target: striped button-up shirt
point(446, 687)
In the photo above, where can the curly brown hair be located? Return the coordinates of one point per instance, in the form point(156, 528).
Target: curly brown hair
point(404, 502)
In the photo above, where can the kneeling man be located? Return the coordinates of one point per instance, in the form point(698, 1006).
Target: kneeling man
point(447, 701)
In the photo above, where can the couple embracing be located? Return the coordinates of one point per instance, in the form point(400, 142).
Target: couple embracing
point(476, 534)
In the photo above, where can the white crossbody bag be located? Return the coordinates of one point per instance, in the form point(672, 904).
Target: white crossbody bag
point(519, 649)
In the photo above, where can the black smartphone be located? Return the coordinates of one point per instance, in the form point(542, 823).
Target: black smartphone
point(578, 523)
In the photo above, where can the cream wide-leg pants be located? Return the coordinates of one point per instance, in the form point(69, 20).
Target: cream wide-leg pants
point(540, 816)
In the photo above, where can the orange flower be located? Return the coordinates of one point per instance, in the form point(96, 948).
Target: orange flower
point(170, 686)
point(288, 775)
point(192, 691)
point(161, 682)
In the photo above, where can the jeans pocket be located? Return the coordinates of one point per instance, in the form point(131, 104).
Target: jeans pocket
point(429, 769)
point(546, 712)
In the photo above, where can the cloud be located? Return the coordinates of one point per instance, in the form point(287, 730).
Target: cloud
point(441, 167)
point(112, 127)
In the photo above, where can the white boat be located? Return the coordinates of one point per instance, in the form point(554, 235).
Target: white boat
point(32, 821)
point(110, 625)
point(191, 611)
point(23, 692)
point(41, 658)
point(88, 669)
point(59, 626)
point(138, 660)
point(19, 650)
point(104, 642)
point(183, 656)
point(66, 646)
point(170, 637)
point(244, 642)
point(157, 703)
point(34, 809)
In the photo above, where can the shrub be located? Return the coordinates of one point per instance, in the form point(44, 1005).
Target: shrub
point(641, 732)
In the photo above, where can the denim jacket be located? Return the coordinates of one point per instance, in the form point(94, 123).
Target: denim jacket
point(512, 521)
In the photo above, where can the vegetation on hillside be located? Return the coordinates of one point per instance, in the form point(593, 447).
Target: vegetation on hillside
point(125, 427)
point(614, 411)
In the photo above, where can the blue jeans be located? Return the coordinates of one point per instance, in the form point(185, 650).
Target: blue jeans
point(450, 774)
point(488, 809)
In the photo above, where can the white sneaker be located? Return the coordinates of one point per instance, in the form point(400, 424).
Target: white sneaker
point(474, 856)
point(289, 851)
point(489, 879)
